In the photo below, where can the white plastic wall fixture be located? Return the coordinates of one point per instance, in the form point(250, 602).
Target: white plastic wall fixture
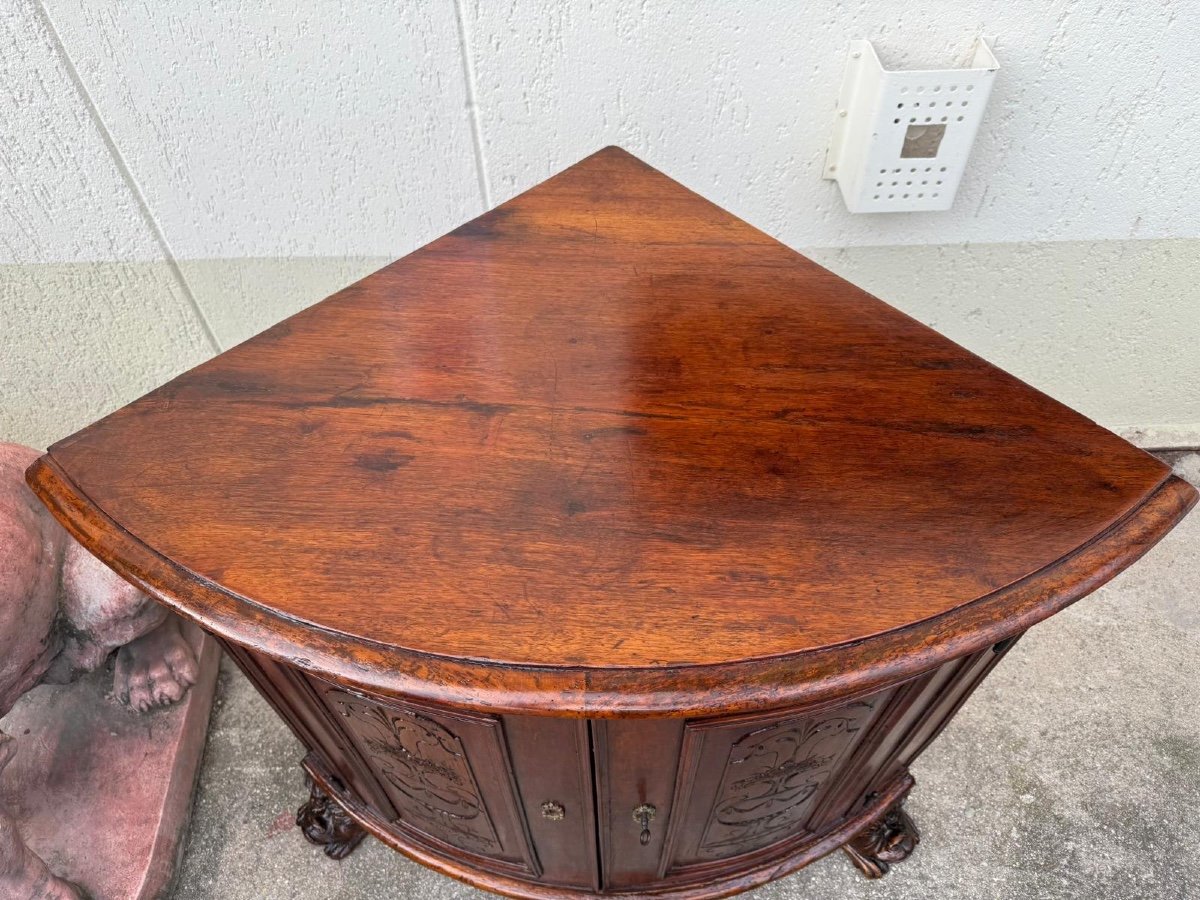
point(901, 139)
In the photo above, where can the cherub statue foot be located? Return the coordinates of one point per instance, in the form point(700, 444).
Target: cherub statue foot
point(23, 874)
point(155, 669)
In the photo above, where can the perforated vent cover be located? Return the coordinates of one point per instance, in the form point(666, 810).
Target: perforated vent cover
point(901, 139)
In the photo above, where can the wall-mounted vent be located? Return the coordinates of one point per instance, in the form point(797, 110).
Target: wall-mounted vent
point(901, 139)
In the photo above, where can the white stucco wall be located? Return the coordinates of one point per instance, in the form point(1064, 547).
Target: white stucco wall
point(177, 176)
point(1086, 136)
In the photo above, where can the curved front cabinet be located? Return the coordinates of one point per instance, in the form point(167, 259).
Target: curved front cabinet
point(699, 545)
point(540, 806)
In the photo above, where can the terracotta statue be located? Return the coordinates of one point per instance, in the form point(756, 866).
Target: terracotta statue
point(62, 613)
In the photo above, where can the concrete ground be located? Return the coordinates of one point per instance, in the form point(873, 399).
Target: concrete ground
point(1074, 772)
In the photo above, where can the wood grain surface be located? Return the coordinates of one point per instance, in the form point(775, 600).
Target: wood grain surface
point(610, 443)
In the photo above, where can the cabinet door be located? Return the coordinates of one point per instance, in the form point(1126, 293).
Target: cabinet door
point(752, 784)
point(446, 773)
point(636, 762)
point(553, 763)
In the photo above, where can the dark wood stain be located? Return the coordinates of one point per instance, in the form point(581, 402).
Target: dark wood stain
point(386, 461)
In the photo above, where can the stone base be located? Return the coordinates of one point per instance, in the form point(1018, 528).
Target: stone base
point(101, 793)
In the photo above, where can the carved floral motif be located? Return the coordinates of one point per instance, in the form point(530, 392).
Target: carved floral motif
point(772, 776)
point(424, 762)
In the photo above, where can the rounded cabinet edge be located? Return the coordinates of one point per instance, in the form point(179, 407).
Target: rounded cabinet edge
point(682, 691)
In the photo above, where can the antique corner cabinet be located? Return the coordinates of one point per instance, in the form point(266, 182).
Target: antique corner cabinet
point(606, 546)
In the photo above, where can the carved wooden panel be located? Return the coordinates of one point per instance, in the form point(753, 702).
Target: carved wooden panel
point(771, 777)
point(447, 774)
point(754, 783)
point(426, 765)
point(726, 793)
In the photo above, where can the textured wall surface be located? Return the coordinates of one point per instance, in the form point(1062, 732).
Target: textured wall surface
point(63, 195)
point(176, 177)
point(1110, 328)
point(75, 341)
point(80, 340)
point(1087, 134)
point(264, 129)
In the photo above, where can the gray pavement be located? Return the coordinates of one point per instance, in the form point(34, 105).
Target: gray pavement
point(1074, 772)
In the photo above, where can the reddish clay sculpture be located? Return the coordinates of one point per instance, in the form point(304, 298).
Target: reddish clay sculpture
point(62, 614)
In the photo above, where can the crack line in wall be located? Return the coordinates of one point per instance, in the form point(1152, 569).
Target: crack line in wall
point(472, 107)
point(126, 174)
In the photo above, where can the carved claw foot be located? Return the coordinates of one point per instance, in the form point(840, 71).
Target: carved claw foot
point(327, 825)
point(156, 669)
point(889, 839)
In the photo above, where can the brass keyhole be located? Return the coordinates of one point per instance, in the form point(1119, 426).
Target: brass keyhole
point(644, 815)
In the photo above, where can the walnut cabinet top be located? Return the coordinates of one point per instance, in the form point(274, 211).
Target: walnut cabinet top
point(607, 450)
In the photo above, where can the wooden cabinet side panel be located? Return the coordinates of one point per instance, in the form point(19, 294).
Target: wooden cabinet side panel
point(908, 706)
point(922, 708)
point(967, 679)
point(289, 694)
